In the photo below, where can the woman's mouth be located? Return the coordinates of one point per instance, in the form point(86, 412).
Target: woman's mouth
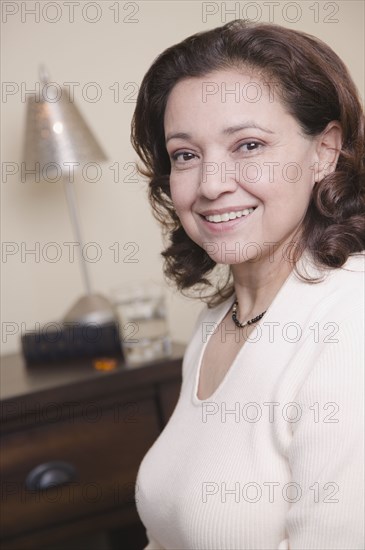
point(227, 216)
point(227, 220)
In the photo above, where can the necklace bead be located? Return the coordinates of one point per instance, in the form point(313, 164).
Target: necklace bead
point(250, 322)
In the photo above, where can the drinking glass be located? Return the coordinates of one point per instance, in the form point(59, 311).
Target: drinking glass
point(143, 327)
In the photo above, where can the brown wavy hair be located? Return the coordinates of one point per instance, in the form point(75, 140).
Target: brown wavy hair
point(315, 87)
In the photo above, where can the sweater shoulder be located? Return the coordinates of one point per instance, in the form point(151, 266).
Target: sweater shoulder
point(355, 264)
point(341, 287)
point(349, 279)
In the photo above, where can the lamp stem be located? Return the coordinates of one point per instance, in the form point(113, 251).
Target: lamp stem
point(72, 206)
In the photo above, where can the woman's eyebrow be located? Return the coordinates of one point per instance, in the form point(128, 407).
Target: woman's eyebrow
point(178, 135)
point(247, 125)
point(227, 131)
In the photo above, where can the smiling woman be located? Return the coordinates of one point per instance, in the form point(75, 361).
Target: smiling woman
point(252, 138)
point(217, 170)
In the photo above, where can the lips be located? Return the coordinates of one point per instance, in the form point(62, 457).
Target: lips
point(226, 216)
point(226, 210)
point(226, 225)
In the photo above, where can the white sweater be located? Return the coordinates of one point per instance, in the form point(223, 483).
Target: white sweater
point(274, 458)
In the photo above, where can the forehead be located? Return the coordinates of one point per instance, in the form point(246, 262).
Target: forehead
point(222, 94)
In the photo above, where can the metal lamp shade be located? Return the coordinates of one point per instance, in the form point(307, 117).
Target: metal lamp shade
point(57, 142)
point(56, 133)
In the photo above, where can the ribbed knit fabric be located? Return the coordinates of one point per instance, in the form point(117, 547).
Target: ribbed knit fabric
point(274, 458)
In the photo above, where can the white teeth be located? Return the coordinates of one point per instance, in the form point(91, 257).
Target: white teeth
point(226, 216)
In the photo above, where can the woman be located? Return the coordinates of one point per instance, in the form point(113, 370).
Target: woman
point(252, 137)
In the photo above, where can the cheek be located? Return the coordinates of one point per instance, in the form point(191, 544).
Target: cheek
point(174, 191)
point(181, 194)
point(279, 184)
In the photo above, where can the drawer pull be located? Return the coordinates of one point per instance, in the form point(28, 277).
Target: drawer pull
point(50, 474)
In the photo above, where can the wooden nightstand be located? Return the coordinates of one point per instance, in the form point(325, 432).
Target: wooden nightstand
point(81, 434)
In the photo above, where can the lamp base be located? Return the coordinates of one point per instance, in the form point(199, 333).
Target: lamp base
point(92, 308)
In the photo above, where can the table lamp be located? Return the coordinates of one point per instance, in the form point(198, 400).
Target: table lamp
point(57, 135)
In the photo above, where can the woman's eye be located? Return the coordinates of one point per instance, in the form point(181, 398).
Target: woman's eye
point(250, 146)
point(182, 156)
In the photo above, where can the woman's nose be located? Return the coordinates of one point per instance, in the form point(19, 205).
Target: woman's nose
point(218, 177)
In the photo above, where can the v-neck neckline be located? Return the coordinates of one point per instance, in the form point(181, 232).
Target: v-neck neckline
point(243, 350)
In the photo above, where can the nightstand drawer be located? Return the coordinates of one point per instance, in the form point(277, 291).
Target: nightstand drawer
point(96, 455)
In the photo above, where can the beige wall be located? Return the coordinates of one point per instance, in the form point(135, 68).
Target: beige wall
point(108, 52)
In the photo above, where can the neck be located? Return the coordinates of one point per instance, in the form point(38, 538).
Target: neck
point(257, 283)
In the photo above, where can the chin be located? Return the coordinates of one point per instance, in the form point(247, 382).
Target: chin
point(232, 253)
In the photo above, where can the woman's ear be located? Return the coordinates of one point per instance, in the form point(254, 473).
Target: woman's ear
point(329, 145)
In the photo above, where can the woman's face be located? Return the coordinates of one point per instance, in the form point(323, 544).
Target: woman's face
point(233, 148)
